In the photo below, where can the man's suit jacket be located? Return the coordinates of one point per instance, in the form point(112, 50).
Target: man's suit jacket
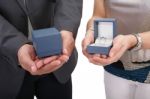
point(63, 14)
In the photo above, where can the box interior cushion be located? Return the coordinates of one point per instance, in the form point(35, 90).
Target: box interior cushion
point(102, 42)
point(105, 30)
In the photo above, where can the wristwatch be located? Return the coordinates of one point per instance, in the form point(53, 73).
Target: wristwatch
point(139, 42)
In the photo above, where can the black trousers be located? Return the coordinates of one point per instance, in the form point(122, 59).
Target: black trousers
point(44, 87)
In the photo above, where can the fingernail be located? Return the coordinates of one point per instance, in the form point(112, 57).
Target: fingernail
point(38, 64)
point(46, 61)
point(65, 51)
point(33, 68)
point(59, 62)
point(111, 54)
point(67, 58)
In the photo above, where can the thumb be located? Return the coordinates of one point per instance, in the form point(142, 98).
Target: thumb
point(87, 41)
point(89, 38)
point(68, 42)
point(30, 63)
point(64, 57)
point(26, 57)
point(115, 48)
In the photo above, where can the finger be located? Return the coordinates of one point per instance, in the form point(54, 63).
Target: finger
point(39, 63)
point(50, 59)
point(118, 55)
point(29, 63)
point(67, 49)
point(26, 56)
point(89, 38)
point(87, 54)
point(100, 56)
point(115, 49)
point(33, 69)
point(63, 59)
point(49, 67)
point(68, 46)
point(65, 52)
point(94, 62)
point(87, 41)
point(97, 55)
point(68, 42)
point(101, 60)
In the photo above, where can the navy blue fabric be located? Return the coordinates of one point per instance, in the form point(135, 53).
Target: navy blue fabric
point(117, 69)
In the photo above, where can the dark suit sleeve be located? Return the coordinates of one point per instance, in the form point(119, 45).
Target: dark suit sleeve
point(10, 41)
point(68, 15)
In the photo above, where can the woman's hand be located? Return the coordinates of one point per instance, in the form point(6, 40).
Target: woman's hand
point(89, 38)
point(121, 44)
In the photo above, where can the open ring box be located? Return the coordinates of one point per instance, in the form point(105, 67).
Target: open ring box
point(104, 32)
point(47, 42)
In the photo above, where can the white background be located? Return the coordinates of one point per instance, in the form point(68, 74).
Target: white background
point(87, 78)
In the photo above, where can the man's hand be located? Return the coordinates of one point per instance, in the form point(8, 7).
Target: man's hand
point(68, 46)
point(29, 61)
point(26, 57)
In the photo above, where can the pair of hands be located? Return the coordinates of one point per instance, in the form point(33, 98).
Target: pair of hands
point(121, 44)
point(31, 63)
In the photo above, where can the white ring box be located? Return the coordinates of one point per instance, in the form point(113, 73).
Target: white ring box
point(104, 32)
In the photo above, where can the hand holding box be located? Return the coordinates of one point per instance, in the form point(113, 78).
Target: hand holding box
point(104, 32)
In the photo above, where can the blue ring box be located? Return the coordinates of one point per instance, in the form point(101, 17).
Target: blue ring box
point(104, 32)
point(47, 42)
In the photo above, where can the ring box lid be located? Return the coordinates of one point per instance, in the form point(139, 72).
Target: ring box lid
point(105, 28)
